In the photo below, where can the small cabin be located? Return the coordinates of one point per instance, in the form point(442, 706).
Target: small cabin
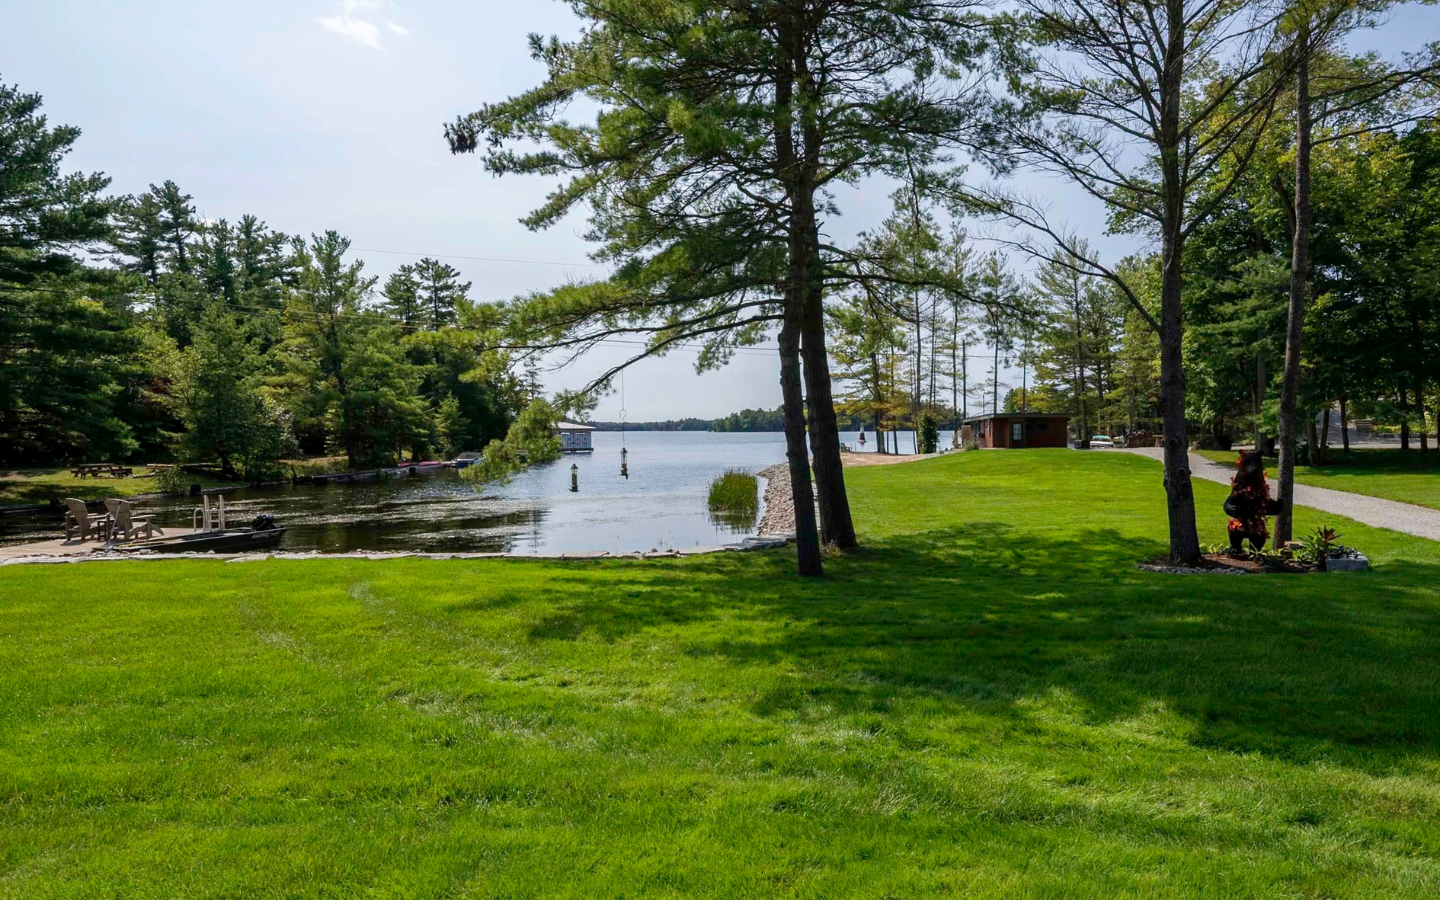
point(1013, 430)
point(574, 437)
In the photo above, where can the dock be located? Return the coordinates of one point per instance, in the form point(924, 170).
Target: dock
point(60, 547)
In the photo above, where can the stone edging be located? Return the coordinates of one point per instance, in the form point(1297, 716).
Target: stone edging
point(757, 542)
point(779, 518)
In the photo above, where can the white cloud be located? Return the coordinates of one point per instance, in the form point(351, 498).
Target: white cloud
point(357, 20)
point(358, 30)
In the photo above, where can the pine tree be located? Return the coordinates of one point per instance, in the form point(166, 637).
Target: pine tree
point(720, 131)
point(402, 298)
point(439, 291)
point(220, 400)
point(64, 329)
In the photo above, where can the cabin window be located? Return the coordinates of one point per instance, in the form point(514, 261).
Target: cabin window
point(1017, 431)
point(1041, 425)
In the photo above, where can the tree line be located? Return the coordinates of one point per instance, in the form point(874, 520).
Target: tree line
point(132, 329)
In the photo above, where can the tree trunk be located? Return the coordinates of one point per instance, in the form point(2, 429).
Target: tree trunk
point(1324, 438)
point(955, 386)
point(1345, 421)
point(1082, 439)
point(1420, 407)
point(807, 536)
point(836, 524)
point(1258, 406)
point(964, 382)
point(1405, 418)
point(1179, 492)
point(1299, 285)
point(995, 386)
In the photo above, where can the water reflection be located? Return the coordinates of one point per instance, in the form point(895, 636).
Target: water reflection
point(662, 505)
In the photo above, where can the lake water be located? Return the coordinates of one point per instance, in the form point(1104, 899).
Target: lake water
point(661, 506)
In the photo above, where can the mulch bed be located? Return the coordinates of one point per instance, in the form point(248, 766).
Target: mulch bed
point(1224, 564)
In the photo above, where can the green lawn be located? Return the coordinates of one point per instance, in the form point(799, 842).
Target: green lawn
point(26, 487)
point(1408, 476)
point(988, 701)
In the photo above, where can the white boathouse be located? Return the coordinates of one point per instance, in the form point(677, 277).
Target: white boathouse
point(574, 438)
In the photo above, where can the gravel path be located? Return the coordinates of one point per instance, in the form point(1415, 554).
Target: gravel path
point(1420, 521)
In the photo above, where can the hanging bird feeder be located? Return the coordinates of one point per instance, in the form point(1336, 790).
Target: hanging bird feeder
point(624, 453)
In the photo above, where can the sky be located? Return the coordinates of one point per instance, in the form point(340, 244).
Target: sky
point(327, 114)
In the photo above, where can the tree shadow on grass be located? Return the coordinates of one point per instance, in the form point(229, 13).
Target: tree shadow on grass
point(990, 618)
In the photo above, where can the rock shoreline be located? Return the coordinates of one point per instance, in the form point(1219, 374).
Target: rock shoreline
point(779, 518)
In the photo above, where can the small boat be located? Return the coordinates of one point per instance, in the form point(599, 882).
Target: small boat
point(233, 540)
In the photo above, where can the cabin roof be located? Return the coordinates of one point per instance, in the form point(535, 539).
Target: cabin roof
point(1028, 415)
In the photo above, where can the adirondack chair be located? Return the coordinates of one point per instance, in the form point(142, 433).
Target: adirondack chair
point(127, 526)
point(81, 523)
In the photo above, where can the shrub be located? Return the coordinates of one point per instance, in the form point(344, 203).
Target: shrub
point(172, 480)
point(929, 435)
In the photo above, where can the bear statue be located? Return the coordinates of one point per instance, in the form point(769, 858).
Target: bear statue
point(1249, 503)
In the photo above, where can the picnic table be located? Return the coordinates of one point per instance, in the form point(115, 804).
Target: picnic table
point(95, 471)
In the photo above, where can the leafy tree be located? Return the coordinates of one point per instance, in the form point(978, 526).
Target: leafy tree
point(1319, 28)
point(1139, 103)
point(866, 333)
point(1078, 336)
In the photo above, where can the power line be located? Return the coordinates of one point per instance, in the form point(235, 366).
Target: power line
point(496, 259)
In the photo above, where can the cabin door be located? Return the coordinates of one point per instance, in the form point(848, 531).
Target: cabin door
point(1017, 434)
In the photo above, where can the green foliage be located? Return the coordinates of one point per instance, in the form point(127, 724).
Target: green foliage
point(1315, 546)
point(530, 441)
point(219, 398)
point(173, 481)
point(64, 334)
point(929, 435)
point(752, 420)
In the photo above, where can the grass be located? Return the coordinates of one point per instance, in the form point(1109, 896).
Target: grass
point(1405, 475)
point(988, 701)
point(27, 487)
point(735, 499)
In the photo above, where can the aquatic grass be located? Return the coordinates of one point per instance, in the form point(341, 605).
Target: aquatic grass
point(987, 701)
point(734, 499)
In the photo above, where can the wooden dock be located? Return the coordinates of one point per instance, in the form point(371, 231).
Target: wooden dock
point(60, 548)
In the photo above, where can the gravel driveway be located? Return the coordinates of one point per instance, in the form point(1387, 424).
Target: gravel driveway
point(1421, 521)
